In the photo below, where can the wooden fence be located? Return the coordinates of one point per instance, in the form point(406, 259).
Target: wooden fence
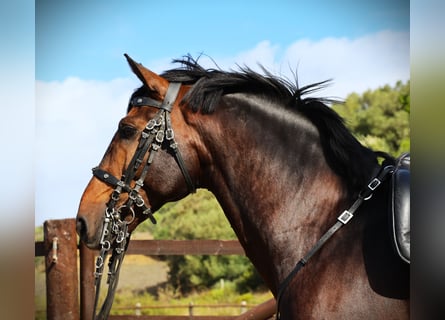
point(69, 299)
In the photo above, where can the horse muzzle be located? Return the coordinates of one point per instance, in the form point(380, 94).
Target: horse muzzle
point(88, 234)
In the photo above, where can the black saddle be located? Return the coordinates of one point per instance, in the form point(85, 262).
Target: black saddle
point(399, 207)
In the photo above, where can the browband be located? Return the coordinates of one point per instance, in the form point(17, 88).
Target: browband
point(166, 104)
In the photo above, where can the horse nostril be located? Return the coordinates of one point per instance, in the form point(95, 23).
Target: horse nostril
point(81, 226)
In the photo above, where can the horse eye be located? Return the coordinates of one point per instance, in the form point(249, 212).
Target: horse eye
point(126, 131)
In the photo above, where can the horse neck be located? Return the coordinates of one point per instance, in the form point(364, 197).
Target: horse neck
point(266, 167)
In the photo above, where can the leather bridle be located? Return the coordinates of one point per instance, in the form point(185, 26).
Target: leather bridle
point(115, 233)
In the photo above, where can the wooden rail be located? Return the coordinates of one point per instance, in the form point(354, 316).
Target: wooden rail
point(60, 251)
point(183, 247)
point(172, 247)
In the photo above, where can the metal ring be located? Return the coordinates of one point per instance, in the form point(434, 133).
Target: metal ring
point(106, 245)
point(133, 216)
point(115, 195)
point(139, 201)
point(368, 197)
point(99, 262)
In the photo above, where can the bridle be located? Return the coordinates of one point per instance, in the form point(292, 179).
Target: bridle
point(115, 233)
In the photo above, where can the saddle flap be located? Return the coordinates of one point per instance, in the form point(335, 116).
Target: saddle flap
point(400, 207)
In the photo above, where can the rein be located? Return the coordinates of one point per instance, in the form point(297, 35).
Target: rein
point(115, 234)
point(342, 219)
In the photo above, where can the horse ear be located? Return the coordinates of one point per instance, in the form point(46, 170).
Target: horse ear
point(153, 81)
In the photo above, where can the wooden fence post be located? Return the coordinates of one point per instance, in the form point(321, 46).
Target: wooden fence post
point(60, 241)
point(262, 311)
point(87, 290)
point(190, 310)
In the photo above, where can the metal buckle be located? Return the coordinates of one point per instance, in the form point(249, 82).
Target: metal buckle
point(169, 134)
point(106, 245)
point(345, 217)
point(121, 184)
point(151, 124)
point(140, 183)
point(374, 184)
point(133, 194)
point(99, 262)
point(139, 201)
point(115, 195)
point(160, 136)
point(159, 120)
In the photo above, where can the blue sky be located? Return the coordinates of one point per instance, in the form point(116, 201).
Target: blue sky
point(83, 81)
point(87, 38)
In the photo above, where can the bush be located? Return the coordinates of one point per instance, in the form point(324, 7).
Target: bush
point(380, 118)
point(199, 216)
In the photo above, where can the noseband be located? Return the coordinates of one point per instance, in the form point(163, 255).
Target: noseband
point(115, 227)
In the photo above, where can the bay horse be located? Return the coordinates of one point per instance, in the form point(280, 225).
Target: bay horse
point(282, 166)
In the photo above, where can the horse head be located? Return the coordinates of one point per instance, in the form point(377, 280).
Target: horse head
point(152, 159)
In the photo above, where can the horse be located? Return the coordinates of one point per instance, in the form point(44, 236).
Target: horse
point(281, 164)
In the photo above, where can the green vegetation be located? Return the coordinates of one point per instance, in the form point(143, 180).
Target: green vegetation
point(205, 303)
point(380, 118)
point(200, 217)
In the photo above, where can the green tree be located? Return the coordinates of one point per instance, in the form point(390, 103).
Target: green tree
point(380, 118)
point(199, 216)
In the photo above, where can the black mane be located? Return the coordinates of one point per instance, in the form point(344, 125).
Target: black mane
point(346, 156)
point(210, 84)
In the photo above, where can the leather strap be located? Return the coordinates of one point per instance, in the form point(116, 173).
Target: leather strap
point(108, 178)
point(174, 146)
point(342, 219)
point(114, 229)
point(166, 104)
point(145, 101)
point(170, 96)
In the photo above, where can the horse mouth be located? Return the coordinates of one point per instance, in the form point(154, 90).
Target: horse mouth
point(82, 228)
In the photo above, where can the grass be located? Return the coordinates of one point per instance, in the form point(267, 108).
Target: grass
point(217, 301)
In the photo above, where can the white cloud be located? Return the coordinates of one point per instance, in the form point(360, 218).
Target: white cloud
point(263, 53)
point(75, 118)
point(355, 65)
